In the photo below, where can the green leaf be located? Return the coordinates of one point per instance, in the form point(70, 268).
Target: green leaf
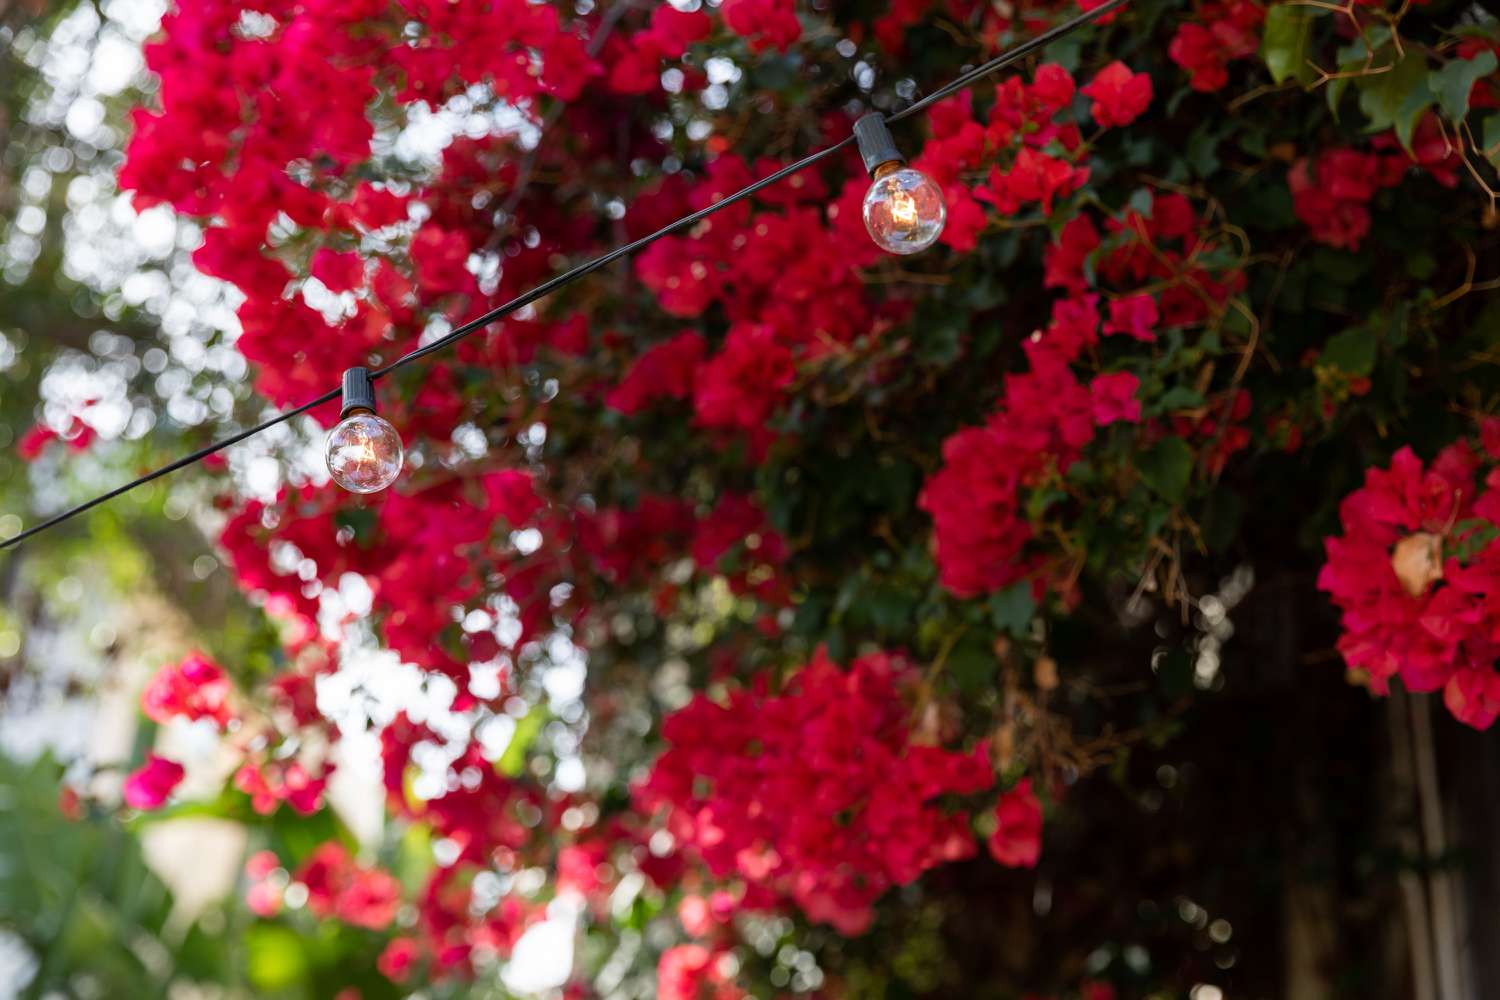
point(1284, 45)
point(1011, 608)
point(514, 758)
point(1492, 138)
point(1416, 102)
point(275, 957)
point(1384, 97)
point(1200, 154)
point(1455, 81)
point(972, 666)
point(1352, 351)
point(1334, 92)
point(1469, 537)
point(1180, 397)
point(1167, 468)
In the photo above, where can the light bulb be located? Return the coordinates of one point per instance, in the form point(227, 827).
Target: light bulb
point(364, 453)
point(904, 210)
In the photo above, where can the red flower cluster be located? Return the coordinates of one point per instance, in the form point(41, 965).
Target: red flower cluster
point(692, 972)
point(785, 276)
point(338, 887)
point(265, 891)
point(78, 437)
point(272, 782)
point(636, 62)
point(194, 689)
point(1047, 417)
point(1017, 840)
point(1120, 96)
point(817, 793)
point(1037, 151)
point(1417, 577)
point(666, 371)
point(1223, 32)
point(1039, 430)
point(764, 23)
point(1332, 193)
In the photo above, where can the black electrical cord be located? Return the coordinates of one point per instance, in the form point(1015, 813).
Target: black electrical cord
point(1005, 58)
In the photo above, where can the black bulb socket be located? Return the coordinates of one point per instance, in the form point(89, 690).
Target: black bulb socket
point(877, 147)
point(359, 392)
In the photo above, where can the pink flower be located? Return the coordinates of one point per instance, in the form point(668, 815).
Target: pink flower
point(370, 899)
point(1017, 840)
point(264, 899)
point(1114, 398)
point(336, 886)
point(396, 961)
point(1473, 696)
point(34, 442)
point(692, 972)
point(261, 865)
point(1134, 315)
point(1119, 95)
point(150, 785)
point(195, 689)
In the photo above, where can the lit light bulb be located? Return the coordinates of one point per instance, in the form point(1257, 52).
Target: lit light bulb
point(364, 451)
point(904, 209)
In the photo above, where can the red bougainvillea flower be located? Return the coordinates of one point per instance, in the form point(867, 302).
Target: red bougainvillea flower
point(149, 786)
point(338, 887)
point(397, 959)
point(275, 782)
point(692, 972)
point(836, 803)
point(1017, 840)
point(1135, 316)
point(35, 441)
point(1222, 33)
point(196, 688)
point(1416, 576)
point(1331, 193)
point(1119, 96)
point(1114, 398)
point(764, 23)
point(741, 385)
point(341, 272)
point(264, 895)
point(666, 371)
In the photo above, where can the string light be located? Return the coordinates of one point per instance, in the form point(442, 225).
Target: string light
point(900, 214)
point(904, 209)
point(364, 451)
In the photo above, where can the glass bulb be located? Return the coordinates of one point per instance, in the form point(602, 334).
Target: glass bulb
point(364, 453)
point(904, 211)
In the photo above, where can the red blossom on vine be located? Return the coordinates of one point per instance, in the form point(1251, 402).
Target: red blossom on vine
point(149, 786)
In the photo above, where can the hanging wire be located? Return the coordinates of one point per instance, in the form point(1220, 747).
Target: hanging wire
point(967, 79)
